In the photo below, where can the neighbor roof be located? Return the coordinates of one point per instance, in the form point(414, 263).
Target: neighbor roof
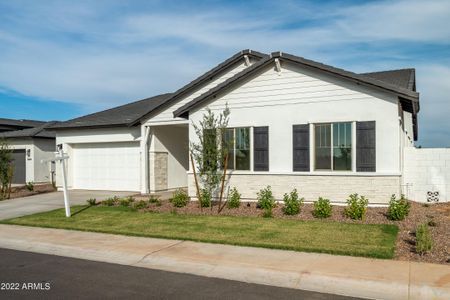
point(125, 115)
point(21, 123)
point(210, 75)
point(366, 79)
point(41, 131)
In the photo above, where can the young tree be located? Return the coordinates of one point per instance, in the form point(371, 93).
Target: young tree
point(211, 150)
point(5, 169)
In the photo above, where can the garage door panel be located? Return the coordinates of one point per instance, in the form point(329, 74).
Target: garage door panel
point(107, 166)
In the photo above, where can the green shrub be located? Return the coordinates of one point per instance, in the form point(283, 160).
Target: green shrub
point(91, 201)
point(398, 208)
point(179, 198)
point(234, 199)
point(356, 207)
point(424, 242)
point(267, 213)
point(205, 198)
point(265, 198)
point(140, 204)
point(322, 208)
point(292, 203)
point(154, 200)
point(110, 201)
point(30, 186)
point(127, 201)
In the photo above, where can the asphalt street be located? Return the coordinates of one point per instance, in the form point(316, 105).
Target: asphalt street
point(30, 275)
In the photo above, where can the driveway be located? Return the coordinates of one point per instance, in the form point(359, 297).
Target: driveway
point(44, 202)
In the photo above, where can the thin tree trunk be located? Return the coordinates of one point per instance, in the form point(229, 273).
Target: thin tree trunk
point(223, 183)
point(196, 183)
point(10, 175)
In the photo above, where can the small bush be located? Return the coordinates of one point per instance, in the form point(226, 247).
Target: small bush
point(30, 186)
point(140, 204)
point(205, 198)
point(267, 213)
point(234, 199)
point(154, 200)
point(322, 208)
point(398, 208)
point(91, 201)
point(424, 243)
point(179, 198)
point(110, 201)
point(356, 207)
point(292, 203)
point(127, 201)
point(265, 198)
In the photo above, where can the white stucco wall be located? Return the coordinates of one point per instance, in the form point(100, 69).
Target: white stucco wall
point(300, 96)
point(173, 140)
point(426, 170)
point(39, 149)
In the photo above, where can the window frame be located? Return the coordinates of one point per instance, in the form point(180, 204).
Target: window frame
point(250, 147)
point(352, 146)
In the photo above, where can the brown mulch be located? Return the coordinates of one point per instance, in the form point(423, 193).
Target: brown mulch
point(22, 191)
point(437, 213)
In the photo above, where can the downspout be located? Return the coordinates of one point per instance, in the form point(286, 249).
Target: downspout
point(146, 160)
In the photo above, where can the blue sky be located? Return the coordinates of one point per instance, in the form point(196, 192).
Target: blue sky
point(62, 59)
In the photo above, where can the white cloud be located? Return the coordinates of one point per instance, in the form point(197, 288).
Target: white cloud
point(101, 54)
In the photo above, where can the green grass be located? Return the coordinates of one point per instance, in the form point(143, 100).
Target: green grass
point(309, 236)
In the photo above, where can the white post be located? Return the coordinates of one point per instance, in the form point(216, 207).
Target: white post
point(66, 194)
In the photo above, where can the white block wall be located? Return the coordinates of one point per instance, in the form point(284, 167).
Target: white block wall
point(426, 170)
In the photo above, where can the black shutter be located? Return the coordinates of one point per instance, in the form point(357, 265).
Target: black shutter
point(365, 146)
point(261, 148)
point(300, 143)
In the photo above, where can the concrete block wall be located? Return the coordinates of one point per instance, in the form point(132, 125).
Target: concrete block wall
point(378, 189)
point(426, 170)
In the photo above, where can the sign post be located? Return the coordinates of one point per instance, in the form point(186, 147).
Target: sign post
point(61, 157)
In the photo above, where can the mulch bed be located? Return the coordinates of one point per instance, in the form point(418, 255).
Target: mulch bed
point(438, 213)
point(22, 191)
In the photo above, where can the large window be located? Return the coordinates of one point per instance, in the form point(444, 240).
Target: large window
point(238, 143)
point(333, 146)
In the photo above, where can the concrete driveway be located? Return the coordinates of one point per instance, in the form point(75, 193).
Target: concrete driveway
point(44, 202)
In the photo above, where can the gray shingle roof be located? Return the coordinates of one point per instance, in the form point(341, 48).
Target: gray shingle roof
point(360, 78)
point(41, 131)
point(21, 123)
point(125, 115)
point(405, 78)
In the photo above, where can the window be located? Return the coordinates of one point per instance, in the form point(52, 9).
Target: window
point(333, 146)
point(238, 142)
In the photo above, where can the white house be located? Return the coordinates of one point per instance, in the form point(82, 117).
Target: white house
point(296, 123)
point(31, 142)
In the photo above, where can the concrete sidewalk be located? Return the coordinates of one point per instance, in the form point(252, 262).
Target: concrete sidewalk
point(349, 276)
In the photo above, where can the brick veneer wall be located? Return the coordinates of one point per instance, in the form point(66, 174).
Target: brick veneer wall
point(378, 189)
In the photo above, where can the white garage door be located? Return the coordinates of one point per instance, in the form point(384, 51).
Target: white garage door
point(106, 166)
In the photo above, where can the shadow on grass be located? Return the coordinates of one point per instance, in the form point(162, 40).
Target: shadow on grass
point(81, 210)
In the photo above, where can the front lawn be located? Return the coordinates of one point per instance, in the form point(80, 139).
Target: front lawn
point(368, 240)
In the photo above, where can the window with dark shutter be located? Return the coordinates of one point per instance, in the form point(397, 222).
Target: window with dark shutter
point(261, 148)
point(300, 143)
point(365, 146)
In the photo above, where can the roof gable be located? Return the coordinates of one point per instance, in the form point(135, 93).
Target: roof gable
point(207, 77)
point(238, 78)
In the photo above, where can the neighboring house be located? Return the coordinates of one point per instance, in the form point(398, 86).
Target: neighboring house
point(31, 141)
point(296, 123)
